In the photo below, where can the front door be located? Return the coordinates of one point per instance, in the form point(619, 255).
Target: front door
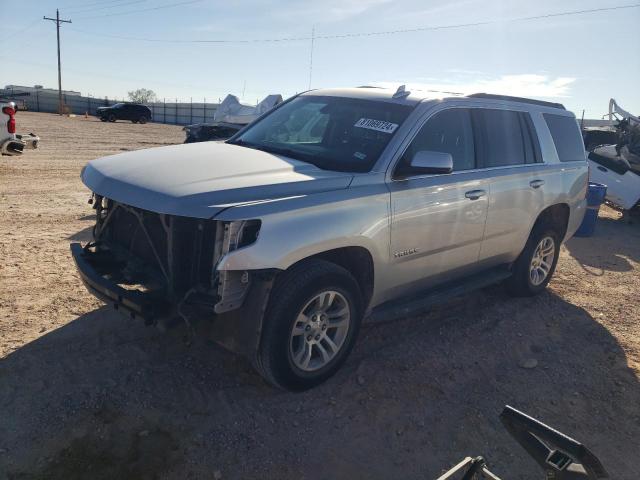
point(438, 220)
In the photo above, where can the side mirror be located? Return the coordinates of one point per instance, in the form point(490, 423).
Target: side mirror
point(428, 161)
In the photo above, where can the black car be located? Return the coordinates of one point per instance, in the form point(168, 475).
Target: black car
point(125, 111)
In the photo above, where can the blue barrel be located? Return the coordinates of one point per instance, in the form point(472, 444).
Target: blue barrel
point(595, 197)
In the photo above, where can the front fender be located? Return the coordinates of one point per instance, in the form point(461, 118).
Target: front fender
point(293, 235)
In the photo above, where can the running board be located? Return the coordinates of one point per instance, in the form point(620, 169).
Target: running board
point(420, 302)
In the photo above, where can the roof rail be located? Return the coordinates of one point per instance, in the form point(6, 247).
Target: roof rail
point(491, 96)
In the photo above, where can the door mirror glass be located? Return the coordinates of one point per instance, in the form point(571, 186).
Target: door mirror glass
point(428, 161)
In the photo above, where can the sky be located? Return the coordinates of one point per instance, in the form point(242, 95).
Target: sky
point(580, 60)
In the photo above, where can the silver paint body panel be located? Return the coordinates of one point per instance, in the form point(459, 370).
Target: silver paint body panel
point(419, 231)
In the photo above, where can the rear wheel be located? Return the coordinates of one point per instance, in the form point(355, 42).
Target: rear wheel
point(134, 121)
point(103, 119)
point(310, 325)
point(536, 264)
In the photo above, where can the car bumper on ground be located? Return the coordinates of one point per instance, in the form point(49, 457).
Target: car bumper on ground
point(17, 145)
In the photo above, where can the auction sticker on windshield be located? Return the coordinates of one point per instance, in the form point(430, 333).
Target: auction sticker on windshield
point(377, 125)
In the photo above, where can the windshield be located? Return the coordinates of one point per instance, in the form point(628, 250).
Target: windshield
point(118, 105)
point(332, 133)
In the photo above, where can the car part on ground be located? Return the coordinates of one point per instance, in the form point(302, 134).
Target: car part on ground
point(12, 143)
point(559, 456)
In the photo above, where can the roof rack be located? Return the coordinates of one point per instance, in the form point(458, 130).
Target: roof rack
point(542, 103)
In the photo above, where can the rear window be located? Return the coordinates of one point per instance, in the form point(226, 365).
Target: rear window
point(503, 137)
point(566, 137)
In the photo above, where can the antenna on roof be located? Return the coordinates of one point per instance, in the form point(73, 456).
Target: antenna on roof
point(401, 92)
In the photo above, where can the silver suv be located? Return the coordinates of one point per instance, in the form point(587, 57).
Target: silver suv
point(337, 205)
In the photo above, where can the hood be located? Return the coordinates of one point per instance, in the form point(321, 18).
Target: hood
point(201, 179)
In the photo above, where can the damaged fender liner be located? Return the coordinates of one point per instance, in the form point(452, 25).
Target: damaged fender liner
point(240, 330)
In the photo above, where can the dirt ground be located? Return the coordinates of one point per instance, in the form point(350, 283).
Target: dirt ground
point(88, 394)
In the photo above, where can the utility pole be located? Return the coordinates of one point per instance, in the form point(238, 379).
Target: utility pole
point(58, 22)
point(313, 37)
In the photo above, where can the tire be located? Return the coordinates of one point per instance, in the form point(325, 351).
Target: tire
point(143, 119)
point(112, 117)
point(296, 292)
point(134, 121)
point(524, 282)
point(103, 119)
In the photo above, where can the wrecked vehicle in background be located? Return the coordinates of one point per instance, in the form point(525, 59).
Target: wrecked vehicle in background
point(12, 143)
point(616, 163)
point(229, 118)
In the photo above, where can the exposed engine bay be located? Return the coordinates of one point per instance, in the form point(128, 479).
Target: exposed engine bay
point(167, 260)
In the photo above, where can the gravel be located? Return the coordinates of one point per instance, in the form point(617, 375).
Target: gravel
point(86, 393)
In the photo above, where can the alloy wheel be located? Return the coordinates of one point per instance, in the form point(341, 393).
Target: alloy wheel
point(319, 331)
point(542, 261)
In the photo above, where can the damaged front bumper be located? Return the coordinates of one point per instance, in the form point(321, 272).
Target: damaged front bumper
point(17, 145)
point(238, 330)
point(133, 303)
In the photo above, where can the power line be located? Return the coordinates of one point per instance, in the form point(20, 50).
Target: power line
point(23, 29)
point(105, 7)
point(93, 4)
point(359, 34)
point(159, 7)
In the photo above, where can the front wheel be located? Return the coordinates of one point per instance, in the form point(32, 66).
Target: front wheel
point(536, 264)
point(143, 119)
point(112, 117)
point(310, 326)
point(103, 119)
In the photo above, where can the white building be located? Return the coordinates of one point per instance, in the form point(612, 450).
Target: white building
point(10, 89)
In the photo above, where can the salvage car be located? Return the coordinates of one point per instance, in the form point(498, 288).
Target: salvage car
point(230, 117)
point(125, 111)
point(336, 205)
point(615, 161)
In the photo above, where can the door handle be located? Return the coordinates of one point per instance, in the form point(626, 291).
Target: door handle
point(536, 183)
point(602, 169)
point(475, 194)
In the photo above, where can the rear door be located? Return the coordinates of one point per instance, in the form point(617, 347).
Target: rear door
point(509, 153)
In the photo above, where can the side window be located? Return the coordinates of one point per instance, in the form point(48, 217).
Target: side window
point(448, 131)
point(503, 138)
point(566, 137)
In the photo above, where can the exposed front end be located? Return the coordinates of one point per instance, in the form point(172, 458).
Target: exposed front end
point(156, 266)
